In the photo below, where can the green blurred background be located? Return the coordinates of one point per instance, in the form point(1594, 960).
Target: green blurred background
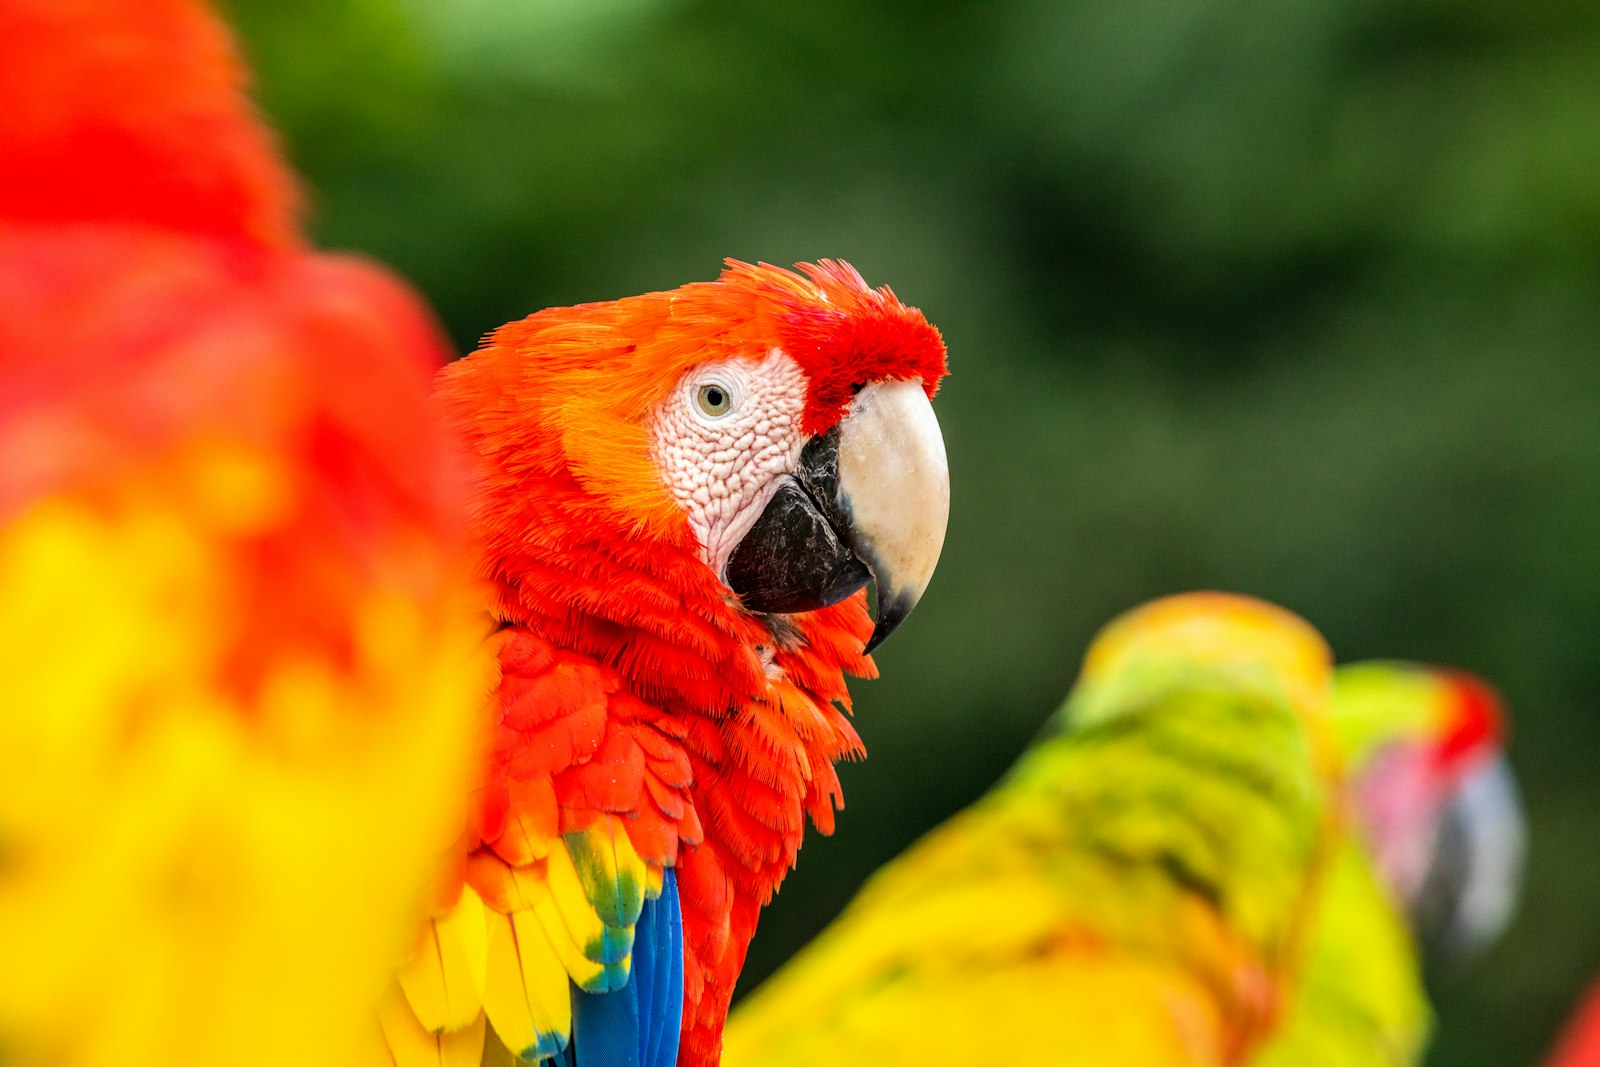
point(1297, 299)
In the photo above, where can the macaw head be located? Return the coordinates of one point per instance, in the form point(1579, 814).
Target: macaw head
point(1251, 644)
point(775, 426)
point(1434, 798)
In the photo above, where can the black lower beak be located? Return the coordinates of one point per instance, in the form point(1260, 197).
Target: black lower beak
point(867, 501)
point(798, 556)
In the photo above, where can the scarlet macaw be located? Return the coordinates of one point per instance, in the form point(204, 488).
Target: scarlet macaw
point(676, 500)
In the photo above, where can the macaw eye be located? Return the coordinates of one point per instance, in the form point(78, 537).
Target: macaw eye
point(714, 399)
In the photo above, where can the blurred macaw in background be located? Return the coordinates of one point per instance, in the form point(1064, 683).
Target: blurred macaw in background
point(676, 500)
point(1430, 834)
point(237, 695)
point(1430, 867)
point(1135, 891)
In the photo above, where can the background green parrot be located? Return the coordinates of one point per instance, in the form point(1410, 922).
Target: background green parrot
point(1426, 828)
point(1134, 891)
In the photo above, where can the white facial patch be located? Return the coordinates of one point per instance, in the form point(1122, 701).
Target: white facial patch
point(724, 440)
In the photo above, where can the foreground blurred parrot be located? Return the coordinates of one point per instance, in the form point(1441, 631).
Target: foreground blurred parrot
point(237, 708)
point(1430, 864)
point(1133, 892)
point(677, 500)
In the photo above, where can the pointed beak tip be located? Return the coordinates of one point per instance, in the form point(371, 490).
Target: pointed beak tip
point(889, 619)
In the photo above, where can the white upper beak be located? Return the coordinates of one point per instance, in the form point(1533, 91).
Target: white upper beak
point(894, 481)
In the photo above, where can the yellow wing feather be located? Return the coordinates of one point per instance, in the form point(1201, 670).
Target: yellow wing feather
point(526, 994)
point(512, 954)
point(578, 915)
point(444, 981)
point(410, 1045)
point(612, 873)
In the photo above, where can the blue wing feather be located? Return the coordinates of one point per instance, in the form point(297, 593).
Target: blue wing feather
point(639, 1024)
point(666, 1014)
